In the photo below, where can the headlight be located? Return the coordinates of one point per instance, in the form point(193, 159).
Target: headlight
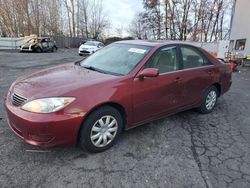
point(47, 105)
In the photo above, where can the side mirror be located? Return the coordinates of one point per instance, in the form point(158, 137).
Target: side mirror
point(148, 72)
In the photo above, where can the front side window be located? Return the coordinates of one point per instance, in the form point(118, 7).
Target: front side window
point(240, 44)
point(165, 60)
point(117, 59)
point(192, 58)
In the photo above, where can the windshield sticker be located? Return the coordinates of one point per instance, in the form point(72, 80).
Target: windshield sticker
point(137, 50)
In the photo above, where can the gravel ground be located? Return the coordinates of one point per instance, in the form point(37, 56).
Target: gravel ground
point(184, 150)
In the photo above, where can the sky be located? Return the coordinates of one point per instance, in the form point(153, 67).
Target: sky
point(121, 13)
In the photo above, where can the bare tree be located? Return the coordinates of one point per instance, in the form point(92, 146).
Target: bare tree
point(153, 17)
point(136, 28)
point(97, 19)
point(69, 14)
point(25, 17)
point(83, 19)
point(198, 20)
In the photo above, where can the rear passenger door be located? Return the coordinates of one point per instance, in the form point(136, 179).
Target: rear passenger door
point(197, 74)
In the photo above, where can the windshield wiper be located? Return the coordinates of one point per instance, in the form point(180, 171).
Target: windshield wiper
point(101, 71)
point(95, 69)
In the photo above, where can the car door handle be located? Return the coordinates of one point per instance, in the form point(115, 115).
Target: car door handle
point(210, 72)
point(178, 79)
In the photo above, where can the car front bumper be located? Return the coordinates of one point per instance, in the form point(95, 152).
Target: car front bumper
point(55, 129)
point(26, 49)
point(85, 52)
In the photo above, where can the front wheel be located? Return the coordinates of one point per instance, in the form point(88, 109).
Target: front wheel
point(101, 129)
point(209, 100)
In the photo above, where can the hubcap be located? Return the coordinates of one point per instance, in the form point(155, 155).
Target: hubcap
point(211, 100)
point(104, 131)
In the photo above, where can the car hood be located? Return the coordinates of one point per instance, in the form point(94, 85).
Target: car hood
point(58, 81)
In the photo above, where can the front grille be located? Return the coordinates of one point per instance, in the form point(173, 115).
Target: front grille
point(18, 100)
point(84, 51)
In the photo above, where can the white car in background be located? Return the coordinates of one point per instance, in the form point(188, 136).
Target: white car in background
point(90, 47)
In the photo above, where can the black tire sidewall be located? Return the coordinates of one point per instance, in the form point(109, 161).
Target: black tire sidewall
point(85, 131)
point(203, 109)
point(54, 49)
point(38, 50)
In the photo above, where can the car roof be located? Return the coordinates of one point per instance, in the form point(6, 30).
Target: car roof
point(153, 43)
point(94, 41)
point(41, 38)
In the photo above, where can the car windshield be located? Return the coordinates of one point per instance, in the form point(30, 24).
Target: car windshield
point(116, 59)
point(89, 43)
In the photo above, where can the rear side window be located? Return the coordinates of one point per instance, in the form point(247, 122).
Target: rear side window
point(100, 45)
point(192, 58)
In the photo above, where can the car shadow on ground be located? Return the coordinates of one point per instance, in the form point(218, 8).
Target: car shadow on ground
point(76, 152)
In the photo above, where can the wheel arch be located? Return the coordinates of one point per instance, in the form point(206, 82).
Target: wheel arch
point(218, 86)
point(115, 105)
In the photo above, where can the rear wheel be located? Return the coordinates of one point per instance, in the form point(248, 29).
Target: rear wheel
point(38, 50)
point(209, 100)
point(54, 49)
point(101, 129)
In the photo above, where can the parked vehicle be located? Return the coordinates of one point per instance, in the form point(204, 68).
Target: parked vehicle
point(90, 47)
point(39, 44)
point(124, 85)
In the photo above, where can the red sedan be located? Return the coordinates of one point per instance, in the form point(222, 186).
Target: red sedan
point(124, 85)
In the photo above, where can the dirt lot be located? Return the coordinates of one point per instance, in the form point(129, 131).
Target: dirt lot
point(184, 150)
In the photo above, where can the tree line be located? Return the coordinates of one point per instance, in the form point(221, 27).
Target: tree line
point(196, 20)
point(75, 18)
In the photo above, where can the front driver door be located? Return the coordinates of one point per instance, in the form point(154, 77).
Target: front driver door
point(154, 97)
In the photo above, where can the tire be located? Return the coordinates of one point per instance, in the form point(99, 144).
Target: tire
point(54, 49)
point(105, 122)
point(209, 97)
point(38, 50)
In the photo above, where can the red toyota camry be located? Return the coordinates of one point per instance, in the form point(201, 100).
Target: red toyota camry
point(121, 86)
